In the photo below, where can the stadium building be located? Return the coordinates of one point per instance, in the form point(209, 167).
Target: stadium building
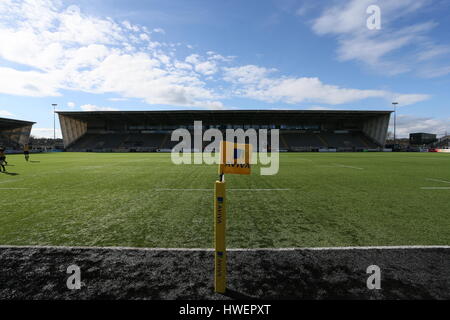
point(418, 139)
point(149, 131)
point(14, 133)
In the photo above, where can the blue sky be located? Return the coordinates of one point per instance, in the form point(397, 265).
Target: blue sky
point(208, 54)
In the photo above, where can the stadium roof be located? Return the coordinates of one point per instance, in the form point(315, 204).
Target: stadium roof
point(232, 116)
point(12, 123)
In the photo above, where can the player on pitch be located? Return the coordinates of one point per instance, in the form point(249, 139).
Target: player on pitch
point(26, 152)
point(2, 160)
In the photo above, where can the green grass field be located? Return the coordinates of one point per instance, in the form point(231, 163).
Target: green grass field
point(343, 199)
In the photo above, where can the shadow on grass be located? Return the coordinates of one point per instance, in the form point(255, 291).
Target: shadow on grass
point(10, 173)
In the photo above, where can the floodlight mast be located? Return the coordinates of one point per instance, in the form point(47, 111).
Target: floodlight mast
point(54, 124)
point(395, 122)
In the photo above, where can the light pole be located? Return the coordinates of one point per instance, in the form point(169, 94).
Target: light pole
point(54, 123)
point(395, 122)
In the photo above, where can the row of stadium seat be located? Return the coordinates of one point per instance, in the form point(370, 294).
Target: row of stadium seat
point(162, 141)
point(355, 140)
point(117, 141)
point(125, 141)
point(8, 144)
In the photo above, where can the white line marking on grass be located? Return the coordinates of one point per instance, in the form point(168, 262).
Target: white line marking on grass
point(437, 180)
point(344, 248)
point(259, 189)
point(8, 181)
point(179, 189)
point(425, 158)
point(435, 188)
point(350, 167)
point(90, 167)
point(232, 249)
point(227, 189)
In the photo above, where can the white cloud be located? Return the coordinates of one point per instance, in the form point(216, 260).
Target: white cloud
point(130, 26)
point(255, 82)
point(319, 108)
point(432, 52)
point(144, 37)
point(391, 50)
point(28, 83)
point(5, 113)
point(218, 57)
point(345, 17)
point(65, 49)
point(159, 30)
point(193, 59)
point(182, 65)
point(408, 99)
point(407, 124)
point(45, 132)
point(68, 50)
point(297, 90)
point(246, 74)
point(91, 107)
point(433, 71)
point(71, 104)
point(350, 16)
point(206, 68)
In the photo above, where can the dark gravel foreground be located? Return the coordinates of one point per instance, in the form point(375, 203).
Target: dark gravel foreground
point(40, 273)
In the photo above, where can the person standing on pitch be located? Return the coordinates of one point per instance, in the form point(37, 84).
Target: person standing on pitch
point(2, 159)
point(26, 152)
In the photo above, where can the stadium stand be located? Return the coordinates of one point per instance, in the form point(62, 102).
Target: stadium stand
point(348, 140)
point(298, 140)
point(443, 142)
point(45, 144)
point(120, 141)
point(14, 133)
point(149, 131)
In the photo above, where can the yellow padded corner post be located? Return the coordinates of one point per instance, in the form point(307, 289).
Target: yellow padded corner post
point(220, 256)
